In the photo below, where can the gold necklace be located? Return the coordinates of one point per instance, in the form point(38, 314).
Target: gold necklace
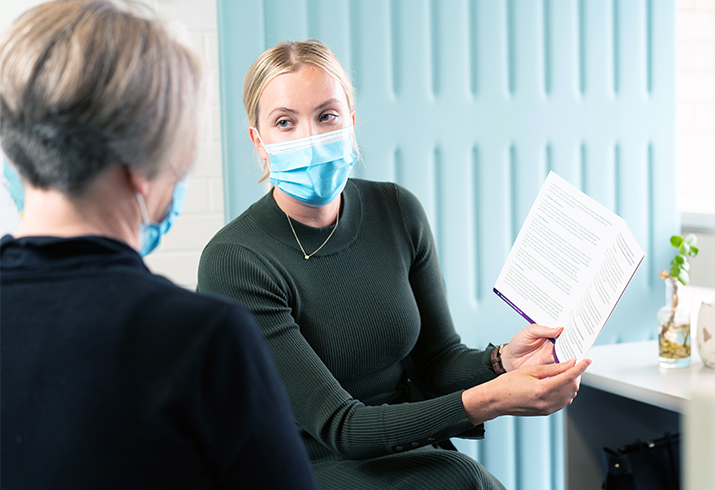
point(305, 255)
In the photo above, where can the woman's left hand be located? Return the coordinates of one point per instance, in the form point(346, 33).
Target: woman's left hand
point(530, 347)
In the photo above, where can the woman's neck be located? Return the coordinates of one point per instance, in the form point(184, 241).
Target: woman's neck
point(317, 217)
point(108, 210)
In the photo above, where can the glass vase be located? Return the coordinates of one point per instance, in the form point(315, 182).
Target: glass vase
point(673, 329)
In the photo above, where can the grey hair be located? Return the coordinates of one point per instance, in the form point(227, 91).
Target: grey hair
point(85, 84)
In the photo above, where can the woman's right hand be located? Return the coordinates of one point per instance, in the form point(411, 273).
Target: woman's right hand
point(535, 390)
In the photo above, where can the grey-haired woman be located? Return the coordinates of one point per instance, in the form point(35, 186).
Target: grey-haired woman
point(113, 377)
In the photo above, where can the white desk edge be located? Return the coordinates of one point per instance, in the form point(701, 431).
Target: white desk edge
point(631, 370)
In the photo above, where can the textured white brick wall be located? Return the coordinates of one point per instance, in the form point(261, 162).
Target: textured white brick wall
point(178, 256)
point(696, 106)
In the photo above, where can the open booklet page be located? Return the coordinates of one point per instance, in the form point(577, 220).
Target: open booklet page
point(569, 266)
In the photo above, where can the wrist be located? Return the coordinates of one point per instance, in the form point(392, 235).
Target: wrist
point(480, 403)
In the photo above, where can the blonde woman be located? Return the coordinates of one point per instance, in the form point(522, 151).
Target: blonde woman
point(112, 377)
point(343, 278)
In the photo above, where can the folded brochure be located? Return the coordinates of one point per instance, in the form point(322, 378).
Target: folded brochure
point(569, 266)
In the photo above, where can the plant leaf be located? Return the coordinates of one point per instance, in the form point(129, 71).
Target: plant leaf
point(691, 239)
point(678, 259)
point(675, 271)
point(685, 266)
point(684, 249)
point(684, 278)
point(694, 251)
point(676, 241)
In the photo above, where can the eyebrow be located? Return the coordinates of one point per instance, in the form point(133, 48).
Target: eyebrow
point(281, 109)
point(327, 103)
point(293, 111)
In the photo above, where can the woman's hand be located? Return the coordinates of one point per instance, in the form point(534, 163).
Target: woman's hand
point(530, 347)
point(535, 390)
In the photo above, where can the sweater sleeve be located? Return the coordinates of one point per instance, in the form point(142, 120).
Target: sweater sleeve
point(322, 407)
point(442, 363)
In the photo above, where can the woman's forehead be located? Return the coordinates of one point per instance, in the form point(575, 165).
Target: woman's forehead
point(302, 89)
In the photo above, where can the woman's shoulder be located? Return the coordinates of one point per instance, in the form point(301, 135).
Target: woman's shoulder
point(194, 315)
point(242, 255)
point(391, 196)
point(386, 191)
point(245, 238)
point(168, 298)
point(244, 226)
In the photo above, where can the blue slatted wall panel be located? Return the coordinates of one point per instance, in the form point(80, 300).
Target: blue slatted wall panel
point(469, 104)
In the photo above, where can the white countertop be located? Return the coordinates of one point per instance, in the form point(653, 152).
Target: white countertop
point(631, 370)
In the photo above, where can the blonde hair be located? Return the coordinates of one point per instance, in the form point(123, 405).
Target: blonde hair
point(85, 84)
point(288, 57)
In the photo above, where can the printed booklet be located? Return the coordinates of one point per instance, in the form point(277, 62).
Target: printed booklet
point(569, 266)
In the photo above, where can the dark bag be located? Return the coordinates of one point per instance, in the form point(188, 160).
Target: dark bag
point(649, 465)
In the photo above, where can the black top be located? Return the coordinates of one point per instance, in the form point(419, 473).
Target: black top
point(113, 377)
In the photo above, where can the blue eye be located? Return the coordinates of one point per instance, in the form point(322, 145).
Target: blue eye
point(283, 123)
point(328, 117)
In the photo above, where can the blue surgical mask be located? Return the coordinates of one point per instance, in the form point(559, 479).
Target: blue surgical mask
point(313, 170)
point(150, 233)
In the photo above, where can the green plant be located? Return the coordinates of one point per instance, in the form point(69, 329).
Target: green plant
point(678, 274)
point(679, 266)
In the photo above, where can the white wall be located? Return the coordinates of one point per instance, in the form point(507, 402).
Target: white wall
point(696, 132)
point(178, 255)
point(696, 106)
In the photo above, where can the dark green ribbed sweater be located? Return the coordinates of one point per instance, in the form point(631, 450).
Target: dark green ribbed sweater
point(343, 325)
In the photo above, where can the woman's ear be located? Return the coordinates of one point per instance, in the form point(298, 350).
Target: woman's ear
point(353, 117)
point(137, 181)
point(258, 143)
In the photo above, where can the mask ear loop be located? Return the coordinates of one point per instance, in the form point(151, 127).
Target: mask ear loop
point(265, 162)
point(142, 208)
point(260, 139)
